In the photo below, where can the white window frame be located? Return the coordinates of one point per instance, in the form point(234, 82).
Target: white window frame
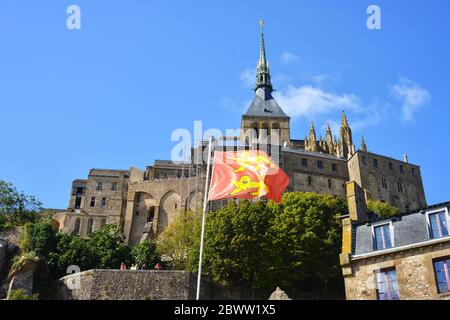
point(445, 209)
point(391, 230)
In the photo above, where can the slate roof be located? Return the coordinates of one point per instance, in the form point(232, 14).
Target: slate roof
point(408, 228)
point(264, 105)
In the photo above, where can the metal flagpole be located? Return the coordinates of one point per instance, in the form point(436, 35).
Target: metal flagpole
point(205, 205)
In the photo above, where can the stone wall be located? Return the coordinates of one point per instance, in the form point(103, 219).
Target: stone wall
point(415, 273)
point(397, 182)
point(129, 285)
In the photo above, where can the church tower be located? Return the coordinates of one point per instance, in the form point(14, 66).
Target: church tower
point(264, 118)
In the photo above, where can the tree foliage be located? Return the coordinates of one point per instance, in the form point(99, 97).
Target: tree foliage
point(39, 237)
point(179, 238)
point(382, 209)
point(17, 208)
point(295, 244)
point(145, 255)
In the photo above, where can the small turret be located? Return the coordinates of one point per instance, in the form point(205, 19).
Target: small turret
point(363, 145)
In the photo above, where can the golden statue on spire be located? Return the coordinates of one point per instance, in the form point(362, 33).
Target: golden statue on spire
point(261, 24)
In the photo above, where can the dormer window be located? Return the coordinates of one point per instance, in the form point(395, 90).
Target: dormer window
point(382, 236)
point(438, 224)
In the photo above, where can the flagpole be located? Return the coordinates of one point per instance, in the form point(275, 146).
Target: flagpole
point(205, 205)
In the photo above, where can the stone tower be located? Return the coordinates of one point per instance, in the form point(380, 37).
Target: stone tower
point(264, 118)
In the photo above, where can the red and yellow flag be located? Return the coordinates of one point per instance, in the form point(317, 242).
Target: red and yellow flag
point(246, 175)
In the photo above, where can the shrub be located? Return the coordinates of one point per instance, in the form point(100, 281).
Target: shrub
point(382, 209)
point(145, 255)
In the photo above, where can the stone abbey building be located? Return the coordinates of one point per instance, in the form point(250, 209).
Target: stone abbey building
point(145, 201)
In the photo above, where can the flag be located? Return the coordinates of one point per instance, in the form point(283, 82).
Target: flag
point(246, 174)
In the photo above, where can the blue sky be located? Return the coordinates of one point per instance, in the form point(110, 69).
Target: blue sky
point(110, 95)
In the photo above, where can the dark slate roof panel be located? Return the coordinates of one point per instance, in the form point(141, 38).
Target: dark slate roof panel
point(264, 105)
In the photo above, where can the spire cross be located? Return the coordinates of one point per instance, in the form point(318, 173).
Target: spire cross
point(261, 24)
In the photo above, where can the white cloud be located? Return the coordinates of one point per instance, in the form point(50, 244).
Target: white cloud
point(412, 96)
point(288, 57)
point(309, 101)
point(248, 76)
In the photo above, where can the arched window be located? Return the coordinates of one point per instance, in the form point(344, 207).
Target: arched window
point(76, 228)
point(384, 183)
point(102, 222)
point(400, 187)
point(90, 227)
point(309, 180)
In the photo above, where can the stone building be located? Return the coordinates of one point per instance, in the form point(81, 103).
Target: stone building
point(145, 201)
point(406, 256)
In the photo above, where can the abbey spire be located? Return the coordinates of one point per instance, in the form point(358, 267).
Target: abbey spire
point(264, 112)
point(262, 69)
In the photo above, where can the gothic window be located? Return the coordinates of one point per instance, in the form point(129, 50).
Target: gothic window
point(391, 166)
point(76, 228)
point(92, 202)
point(329, 183)
point(99, 186)
point(413, 172)
point(364, 160)
point(309, 180)
point(384, 183)
point(90, 227)
point(375, 163)
point(102, 222)
point(400, 187)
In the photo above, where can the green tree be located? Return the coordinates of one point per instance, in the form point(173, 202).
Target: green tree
point(72, 250)
point(16, 208)
point(295, 244)
point(145, 254)
point(108, 244)
point(382, 209)
point(180, 238)
point(307, 238)
point(237, 244)
point(39, 237)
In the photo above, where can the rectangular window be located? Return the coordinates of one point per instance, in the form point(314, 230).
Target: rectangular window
point(438, 225)
point(391, 166)
point(382, 237)
point(92, 201)
point(375, 163)
point(387, 285)
point(114, 186)
point(442, 273)
point(364, 160)
point(413, 172)
point(103, 202)
point(320, 164)
point(329, 184)
point(334, 167)
point(99, 186)
point(402, 169)
point(304, 162)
